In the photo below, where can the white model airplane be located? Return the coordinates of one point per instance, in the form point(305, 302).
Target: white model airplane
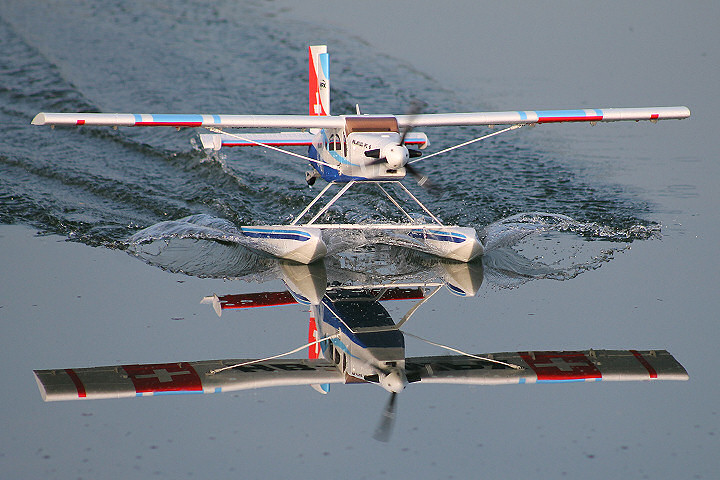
point(346, 149)
point(353, 339)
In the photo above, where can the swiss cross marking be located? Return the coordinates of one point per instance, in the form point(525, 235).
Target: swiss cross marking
point(162, 375)
point(167, 377)
point(313, 336)
point(561, 366)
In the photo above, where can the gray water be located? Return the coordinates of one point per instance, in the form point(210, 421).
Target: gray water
point(639, 198)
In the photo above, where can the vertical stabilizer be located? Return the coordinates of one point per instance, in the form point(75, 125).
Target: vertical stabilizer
point(319, 83)
point(314, 351)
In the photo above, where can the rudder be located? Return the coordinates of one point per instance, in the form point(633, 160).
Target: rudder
point(319, 80)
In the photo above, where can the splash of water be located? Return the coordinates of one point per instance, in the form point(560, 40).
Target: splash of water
point(519, 248)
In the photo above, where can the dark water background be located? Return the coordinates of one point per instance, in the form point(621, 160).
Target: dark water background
point(642, 199)
point(100, 186)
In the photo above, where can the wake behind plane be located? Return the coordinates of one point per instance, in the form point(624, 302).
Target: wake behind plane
point(344, 150)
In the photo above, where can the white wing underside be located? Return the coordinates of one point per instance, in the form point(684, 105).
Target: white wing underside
point(196, 377)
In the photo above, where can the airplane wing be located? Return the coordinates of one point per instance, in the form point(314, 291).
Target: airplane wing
point(196, 377)
point(547, 367)
point(189, 120)
point(180, 378)
point(527, 117)
point(338, 121)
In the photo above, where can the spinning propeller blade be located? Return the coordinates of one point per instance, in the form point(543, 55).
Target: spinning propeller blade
point(416, 108)
point(423, 180)
point(387, 421)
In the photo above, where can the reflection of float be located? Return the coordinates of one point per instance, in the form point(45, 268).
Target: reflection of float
point(353, 339)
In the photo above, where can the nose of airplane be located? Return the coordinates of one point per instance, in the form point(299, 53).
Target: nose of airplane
point(394, 381)
point(396, 155)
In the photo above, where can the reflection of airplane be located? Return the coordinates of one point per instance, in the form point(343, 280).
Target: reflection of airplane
point(353, 339)
point(346, 149)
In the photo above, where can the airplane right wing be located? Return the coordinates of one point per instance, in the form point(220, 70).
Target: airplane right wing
point(547, 367)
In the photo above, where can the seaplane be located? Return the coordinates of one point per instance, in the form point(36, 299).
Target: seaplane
point(344, 150)
point(352, 339)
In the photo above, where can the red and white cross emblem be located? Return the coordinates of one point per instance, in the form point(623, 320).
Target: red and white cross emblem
point(164, 377)
point(560, 366)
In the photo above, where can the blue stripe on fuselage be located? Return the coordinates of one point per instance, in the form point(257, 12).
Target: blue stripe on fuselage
point(329, 174)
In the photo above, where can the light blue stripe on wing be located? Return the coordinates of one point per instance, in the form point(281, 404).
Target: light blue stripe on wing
point(176, 118)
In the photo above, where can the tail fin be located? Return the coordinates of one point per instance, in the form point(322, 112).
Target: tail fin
point(314, 352)
point(319, 85)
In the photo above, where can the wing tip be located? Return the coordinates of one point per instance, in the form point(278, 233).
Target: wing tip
point(41, 386)
point(39, 119)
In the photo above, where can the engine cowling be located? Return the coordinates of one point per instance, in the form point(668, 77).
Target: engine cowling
point(396, 155)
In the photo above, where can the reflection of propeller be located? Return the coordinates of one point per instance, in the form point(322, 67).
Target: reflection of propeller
point(397, 155)
point(387, 421)
point(394, 381)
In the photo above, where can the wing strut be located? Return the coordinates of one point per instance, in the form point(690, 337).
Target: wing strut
point(512, 127)
point(487, 359)
point(251, 362)
point(259, 144)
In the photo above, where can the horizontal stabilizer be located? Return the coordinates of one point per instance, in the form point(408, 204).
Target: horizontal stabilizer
point(418, 139)
point(275, 299)
point(254, 300)
point(180, 378)
point(548, 367)
point(282, 139)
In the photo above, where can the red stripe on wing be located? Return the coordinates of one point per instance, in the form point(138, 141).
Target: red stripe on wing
point(644, 363)
point(78, 383)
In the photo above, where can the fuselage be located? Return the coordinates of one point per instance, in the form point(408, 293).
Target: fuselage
point(367, 148)
point(364, 344)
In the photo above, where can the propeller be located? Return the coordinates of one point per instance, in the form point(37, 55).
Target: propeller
point(387, 421)
point(397, 155)
point(394, 381)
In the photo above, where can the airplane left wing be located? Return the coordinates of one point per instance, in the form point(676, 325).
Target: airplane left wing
point(547, 367)
point(180, 378)
point(529, 117)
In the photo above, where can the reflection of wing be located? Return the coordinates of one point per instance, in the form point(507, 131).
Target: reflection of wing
point(180, 378)
point(548, 367)
point(334, 121)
